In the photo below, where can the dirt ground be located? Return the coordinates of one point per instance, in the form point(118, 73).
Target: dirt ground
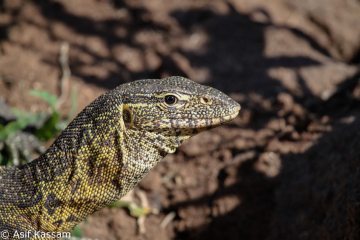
point(288, 167)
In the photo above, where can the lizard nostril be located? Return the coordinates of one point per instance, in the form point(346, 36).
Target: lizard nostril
point(204, 100)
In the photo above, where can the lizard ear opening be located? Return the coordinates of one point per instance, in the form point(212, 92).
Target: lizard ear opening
point(127, 117)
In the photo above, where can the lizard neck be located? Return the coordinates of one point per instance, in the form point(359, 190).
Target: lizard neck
point(84, 170)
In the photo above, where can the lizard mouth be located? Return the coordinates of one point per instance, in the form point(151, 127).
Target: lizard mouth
point(214, 122)
point(190, 126)
point(202, 124)
point(185, 128)
point(233, 114)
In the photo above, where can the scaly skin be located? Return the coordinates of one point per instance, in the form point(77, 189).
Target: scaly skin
point(105, 151)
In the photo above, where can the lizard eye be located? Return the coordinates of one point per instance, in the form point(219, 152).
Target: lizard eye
point(171, 99)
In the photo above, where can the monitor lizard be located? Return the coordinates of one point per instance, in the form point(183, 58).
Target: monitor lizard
point(105, 151)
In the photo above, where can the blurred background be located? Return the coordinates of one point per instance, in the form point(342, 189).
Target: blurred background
point(288, 167)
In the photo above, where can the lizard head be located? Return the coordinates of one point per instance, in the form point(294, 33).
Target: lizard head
point(174, 109)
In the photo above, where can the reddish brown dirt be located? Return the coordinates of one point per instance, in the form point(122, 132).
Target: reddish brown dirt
point(287, 168)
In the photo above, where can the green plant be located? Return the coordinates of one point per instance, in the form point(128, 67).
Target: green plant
point(51, 122)
point(53, 125)
point(18, 125)
point(134, 209)
point(77, 232)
